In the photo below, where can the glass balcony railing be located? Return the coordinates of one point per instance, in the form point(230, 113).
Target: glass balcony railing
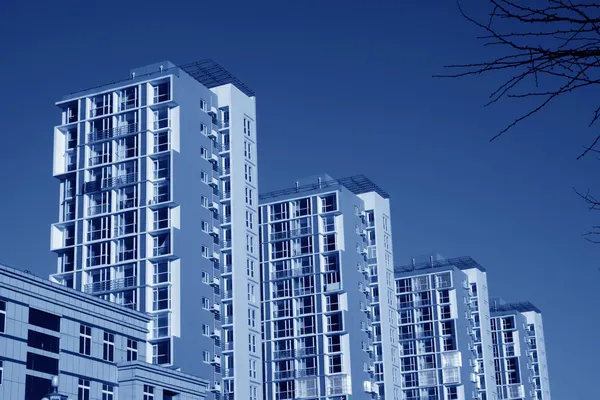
point(160, 251)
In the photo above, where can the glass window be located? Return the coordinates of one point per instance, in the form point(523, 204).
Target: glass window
point(161, 352)
point(2, 316)
point(37, 362)
point(83, 390)
point(132, 348)
point(107, 392)
point(148, 392)
point(43, 341)
point(44, 319)
point(108, 347)
point(85, 340)
point(36, 388)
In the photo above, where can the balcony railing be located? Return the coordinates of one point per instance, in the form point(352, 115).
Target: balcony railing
point(304, 291)
point(160, 251)
point(291, 233)
point(225, 147)
point(279, 354)
point(306, 351)
point(282, 313)
point(161, 124)
point(286, 273)
point(126, 179)
point(128, 203)
point(405, 305)
point(99, 159)
point(125, 229)
point(283, 374)
point(113, 132)
point(301, 373)
point(107, 286)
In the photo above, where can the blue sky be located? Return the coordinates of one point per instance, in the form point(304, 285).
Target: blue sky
point(346, 88)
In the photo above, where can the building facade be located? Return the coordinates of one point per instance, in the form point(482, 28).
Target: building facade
point(325, 318)
point(95, 348)
point(149, 169)
point(521, 369)
point(445, 340)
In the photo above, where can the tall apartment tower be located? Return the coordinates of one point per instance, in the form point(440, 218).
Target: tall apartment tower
point(329, 319)
point(445, 339)
point(521, 369)
point(149, 169)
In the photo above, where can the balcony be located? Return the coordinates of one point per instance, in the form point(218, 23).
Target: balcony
point(105, 134)
point(405, 305)
point(332, 287)
point(228, 320)
point(126, 179)
point(160, 251)
point(304, 291)
point(125, 230)
point(225, 147)
point(283, 375)
point(290, 234)
point(306, 351)
point(280, 354)
point(286, 273)
point(216, 282)
point(107, 286)
point(282, 313)
point(226, 269)
point(163, 123)
point(99, 159)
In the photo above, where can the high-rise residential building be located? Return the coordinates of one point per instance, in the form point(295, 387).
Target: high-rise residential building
point(149, 169)
point(95, 348)
point(521, 368)
point(445, 340)
point(329, 317)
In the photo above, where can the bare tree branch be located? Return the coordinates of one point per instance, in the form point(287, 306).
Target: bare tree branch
point(556, 44)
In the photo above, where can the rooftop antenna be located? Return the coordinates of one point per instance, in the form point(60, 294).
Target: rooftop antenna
point(161, 68)
point(431, 261)
point(413, 263)
point(133, 75)
point(297, 186)
point(319, 181)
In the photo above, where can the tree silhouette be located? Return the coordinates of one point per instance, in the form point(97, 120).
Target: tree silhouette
point(545, 49)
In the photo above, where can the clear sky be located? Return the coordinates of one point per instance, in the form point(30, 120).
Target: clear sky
point(343, 87)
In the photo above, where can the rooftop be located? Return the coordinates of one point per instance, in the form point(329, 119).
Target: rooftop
point(357, 184)
point(459, 262)
point(211, 74)
point(29, 277)
point(523, 306)
point(208, 72)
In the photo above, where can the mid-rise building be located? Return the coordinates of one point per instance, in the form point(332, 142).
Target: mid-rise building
point(149, 170)
point(329, 318)
point(445, 340)
point(521, 369)
point(95, 348)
